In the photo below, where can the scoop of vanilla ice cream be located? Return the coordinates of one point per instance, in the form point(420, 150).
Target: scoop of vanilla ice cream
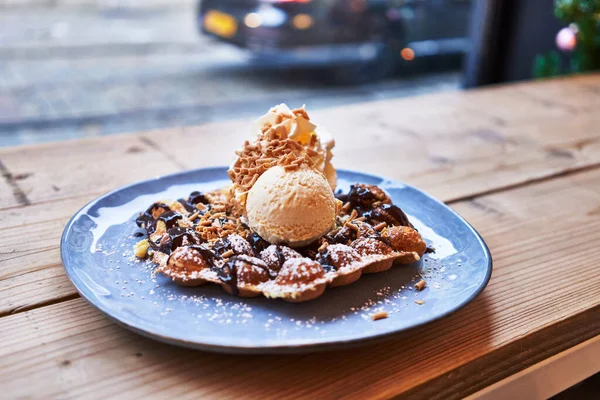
point(293, 207)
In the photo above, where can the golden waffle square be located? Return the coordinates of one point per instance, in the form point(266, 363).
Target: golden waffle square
point(203, 239)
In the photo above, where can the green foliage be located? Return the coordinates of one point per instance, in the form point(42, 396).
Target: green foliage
point(573, 10)
point(546, 65)
point(585, 14)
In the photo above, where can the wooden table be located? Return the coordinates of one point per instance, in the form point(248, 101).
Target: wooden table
point(520, 162)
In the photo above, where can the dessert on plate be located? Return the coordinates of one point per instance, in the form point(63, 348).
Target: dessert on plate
point(280, 230)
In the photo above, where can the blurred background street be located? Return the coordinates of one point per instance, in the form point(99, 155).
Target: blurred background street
point(72, 69)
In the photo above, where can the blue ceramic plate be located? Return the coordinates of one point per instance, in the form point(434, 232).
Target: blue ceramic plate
point(96, 250)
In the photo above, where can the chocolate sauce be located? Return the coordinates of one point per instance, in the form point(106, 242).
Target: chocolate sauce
point(389, 213)
point(377, 236)
point(221, 246)
point(362, 199)
point(163, 244)
point(139, 234)
point(198, 197)
point(189, 207)
point(310, 250)
point(155, 245)
point(207, 254)
point(360, 196)
point(430, 249)
point(148, 222)
point(341, 196)
point(257, 243)
point(170, 218)
point(340, 236)
point(174, 239)
point(178, 234)
point(280, 256)
point(146, 219)
point(228, 275)
point(193, 199)
point(324, 258)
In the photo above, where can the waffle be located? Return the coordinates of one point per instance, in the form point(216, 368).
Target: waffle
point(202, 239)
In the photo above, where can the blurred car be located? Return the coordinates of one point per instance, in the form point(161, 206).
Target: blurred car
point(365, 33)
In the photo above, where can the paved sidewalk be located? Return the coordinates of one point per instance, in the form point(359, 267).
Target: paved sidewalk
point(140, 4)
point(71, 28)
point(68, 72)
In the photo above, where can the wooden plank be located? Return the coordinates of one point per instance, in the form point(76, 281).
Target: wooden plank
point(544, 295)
point(31, 272)
point(64, 169)
point(7, 199)
point(448, 151)
point(29, 290)
point(580, 94)
point(59, 179)
point(549, 377)
point(438, 143)
point(73, 168)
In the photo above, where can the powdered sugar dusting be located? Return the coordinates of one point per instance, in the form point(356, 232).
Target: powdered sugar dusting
point(271, 255)
point(299, 270)
point(209, 308)
point(239, 245)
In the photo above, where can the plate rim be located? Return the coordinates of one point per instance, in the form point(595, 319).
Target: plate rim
point(273, 348)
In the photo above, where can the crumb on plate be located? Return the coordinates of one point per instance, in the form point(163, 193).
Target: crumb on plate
point(421, 284)
point(379, 315)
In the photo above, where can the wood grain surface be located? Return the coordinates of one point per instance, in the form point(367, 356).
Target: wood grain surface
point(520, 162)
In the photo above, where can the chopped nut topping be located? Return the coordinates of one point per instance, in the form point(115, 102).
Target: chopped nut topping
point(273, 147)
point(380, 226)
point(140, 249)
point(227, 254)
point(352, 226)
point(420, 302)
point(323, 246)
point(161, 228)
point(280, 272)
point(379, 315)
